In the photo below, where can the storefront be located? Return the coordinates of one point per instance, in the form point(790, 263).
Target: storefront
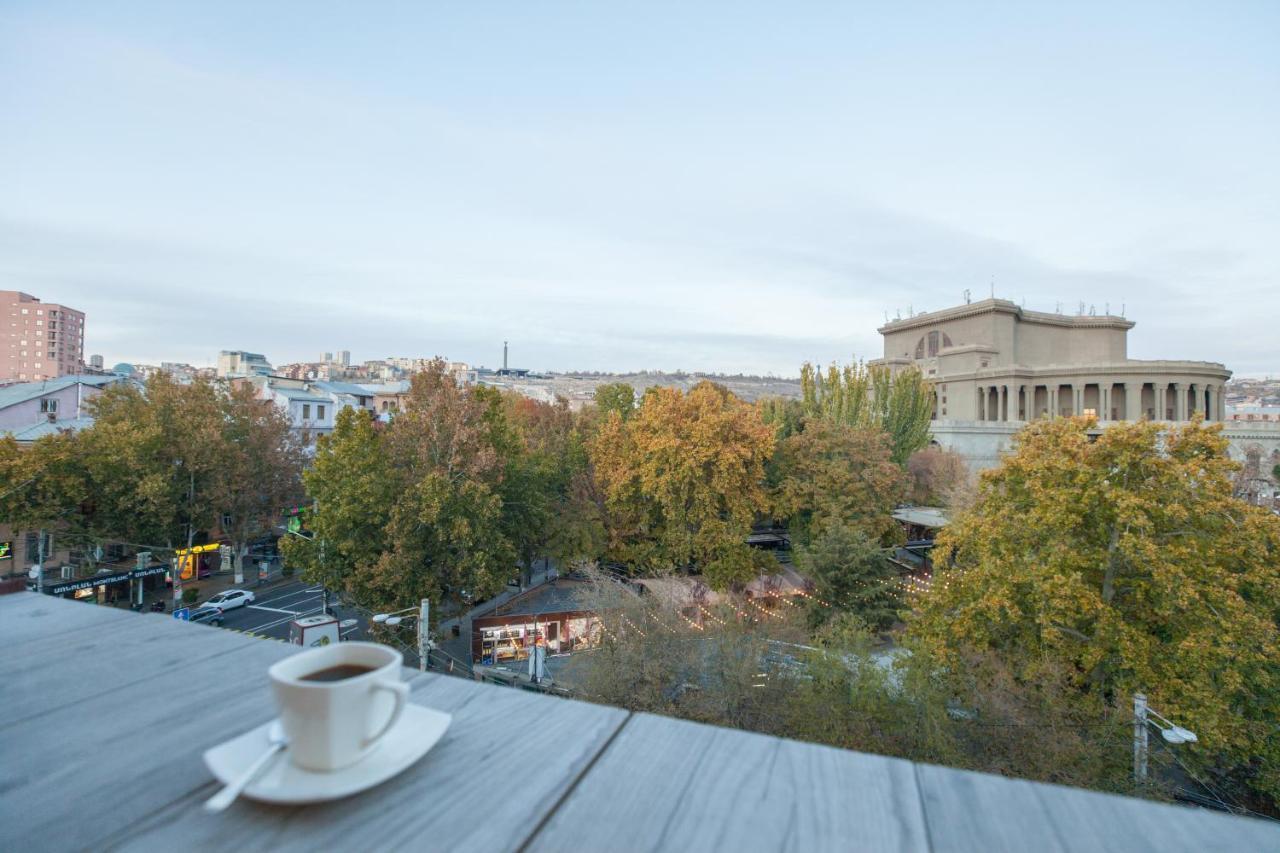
point(549, 615)
point(109, 587)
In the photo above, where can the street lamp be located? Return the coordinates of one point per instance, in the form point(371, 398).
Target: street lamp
point(424, 626)
point(1143, 716)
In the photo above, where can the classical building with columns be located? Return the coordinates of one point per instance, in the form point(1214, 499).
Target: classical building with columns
point(995, 366)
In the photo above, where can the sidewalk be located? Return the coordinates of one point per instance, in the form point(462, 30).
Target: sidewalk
point(219, 582)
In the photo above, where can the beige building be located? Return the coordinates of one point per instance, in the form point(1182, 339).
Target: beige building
point(992, 361)
point(39, 340)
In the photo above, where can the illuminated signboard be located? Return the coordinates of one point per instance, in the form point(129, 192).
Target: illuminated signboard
point(6, 550)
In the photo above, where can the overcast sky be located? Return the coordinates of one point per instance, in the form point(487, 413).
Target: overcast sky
point(707, 186)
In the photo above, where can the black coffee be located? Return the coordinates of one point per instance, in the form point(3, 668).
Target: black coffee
point(341, 672)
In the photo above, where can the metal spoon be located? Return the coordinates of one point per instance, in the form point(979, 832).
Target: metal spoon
point(219, 801)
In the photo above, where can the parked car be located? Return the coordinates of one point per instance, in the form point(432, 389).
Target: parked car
point(207, 614)
point(231, 599)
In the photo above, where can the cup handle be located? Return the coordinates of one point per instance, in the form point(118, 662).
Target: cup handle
point(401, 692)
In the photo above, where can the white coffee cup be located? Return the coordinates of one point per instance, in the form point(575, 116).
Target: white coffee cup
point(331, 724)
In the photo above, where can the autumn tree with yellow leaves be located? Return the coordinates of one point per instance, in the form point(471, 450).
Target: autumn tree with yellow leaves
point(683, 480)
point(1122, 557)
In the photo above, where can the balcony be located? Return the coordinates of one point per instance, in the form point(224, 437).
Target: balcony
point(108, 713)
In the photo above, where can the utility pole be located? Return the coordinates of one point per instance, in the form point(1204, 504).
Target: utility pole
point(424, 633)
point(1139, 738)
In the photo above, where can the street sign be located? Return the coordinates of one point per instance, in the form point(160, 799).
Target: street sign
point(183, 613)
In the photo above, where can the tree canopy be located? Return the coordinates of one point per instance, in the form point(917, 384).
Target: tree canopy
point(1123, 558)
point(872, 397)
point(683, 480)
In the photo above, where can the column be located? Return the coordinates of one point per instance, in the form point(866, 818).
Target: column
point(1133, 401)
point(1051, 391)
point(1076, 392)
point(1180, 403)
point(1222, 403)
point(1104, 400)
point(1002, 403)
point(982, 403)
point(1021, 403)
point(1157, 400)
point(1212, 408)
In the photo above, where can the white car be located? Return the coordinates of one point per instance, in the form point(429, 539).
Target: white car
point(230, 599)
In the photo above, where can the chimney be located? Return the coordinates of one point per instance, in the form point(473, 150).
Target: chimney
point(504, 355)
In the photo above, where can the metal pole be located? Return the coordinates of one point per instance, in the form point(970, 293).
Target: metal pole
point(40, 563)
point(424, 627)
point(144, 557)
point(1139, 739)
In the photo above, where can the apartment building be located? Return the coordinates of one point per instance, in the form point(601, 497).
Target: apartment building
point(38, 340)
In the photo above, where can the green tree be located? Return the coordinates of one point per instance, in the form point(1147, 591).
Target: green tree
point(615, 397)
point(872, 397)
point(683, 480)
point(415, 510)
point(834, 474)
point(1123, 559)
point(853, 575)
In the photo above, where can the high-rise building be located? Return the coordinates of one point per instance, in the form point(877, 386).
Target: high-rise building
point(95, 361)
point(344, 357)
point(41, 340)
point(234, 364)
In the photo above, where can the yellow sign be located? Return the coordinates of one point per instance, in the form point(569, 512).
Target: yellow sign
point(197, 549)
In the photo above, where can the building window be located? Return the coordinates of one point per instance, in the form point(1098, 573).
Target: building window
point(306, 411)
point(48, 406)
point(320, 412)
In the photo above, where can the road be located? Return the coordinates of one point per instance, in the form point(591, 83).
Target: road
point(273, 610)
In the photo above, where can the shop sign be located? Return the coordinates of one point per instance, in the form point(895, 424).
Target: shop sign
point(102, 580)
point(6, 549)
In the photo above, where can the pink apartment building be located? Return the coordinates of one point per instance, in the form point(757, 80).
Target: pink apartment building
point(38, 340)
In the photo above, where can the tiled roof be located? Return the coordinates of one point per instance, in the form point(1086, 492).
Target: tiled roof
point(345, 388)
point(11, 395)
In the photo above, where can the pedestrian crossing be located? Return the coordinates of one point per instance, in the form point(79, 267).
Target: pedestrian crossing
point(256, 635)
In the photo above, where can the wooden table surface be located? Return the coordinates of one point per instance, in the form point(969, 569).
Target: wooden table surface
point(107, 713)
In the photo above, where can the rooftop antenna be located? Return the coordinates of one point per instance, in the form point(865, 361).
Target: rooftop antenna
point(1121, 309)
point(966, 296)
point(1108, 309)
point(1058, 307)
point(886, 316)
point(1080, 310)
point(993, 287)
point(1093, 310)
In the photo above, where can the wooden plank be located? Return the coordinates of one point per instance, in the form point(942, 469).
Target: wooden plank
point(27, 617)
point(122, 653)
point(506, 760)
point(981, 812)
point(76, 774)
point(673, 785)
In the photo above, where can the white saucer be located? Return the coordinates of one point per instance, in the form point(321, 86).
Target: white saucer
point(417, 730)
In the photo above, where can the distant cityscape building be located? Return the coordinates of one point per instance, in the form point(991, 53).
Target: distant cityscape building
point(234, 364)
point(95, 361)
point(42, 340)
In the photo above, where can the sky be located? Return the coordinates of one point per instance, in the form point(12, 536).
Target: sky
point(724, 187)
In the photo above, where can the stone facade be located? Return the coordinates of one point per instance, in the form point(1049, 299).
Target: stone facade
point(996, 366)
point(993, 361)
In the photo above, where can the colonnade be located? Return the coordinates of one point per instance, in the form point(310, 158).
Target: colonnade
point(1107, 400)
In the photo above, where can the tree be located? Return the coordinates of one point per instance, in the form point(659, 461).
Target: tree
point(615, 397)
point(853, 575)
point(1123, 559)
point(938, 476)
point(834, 474)
point(683, 479)
point(415, 510)
point(867, 397)
point(261, 468)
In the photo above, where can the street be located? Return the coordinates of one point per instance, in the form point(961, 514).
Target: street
point(275, 608)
